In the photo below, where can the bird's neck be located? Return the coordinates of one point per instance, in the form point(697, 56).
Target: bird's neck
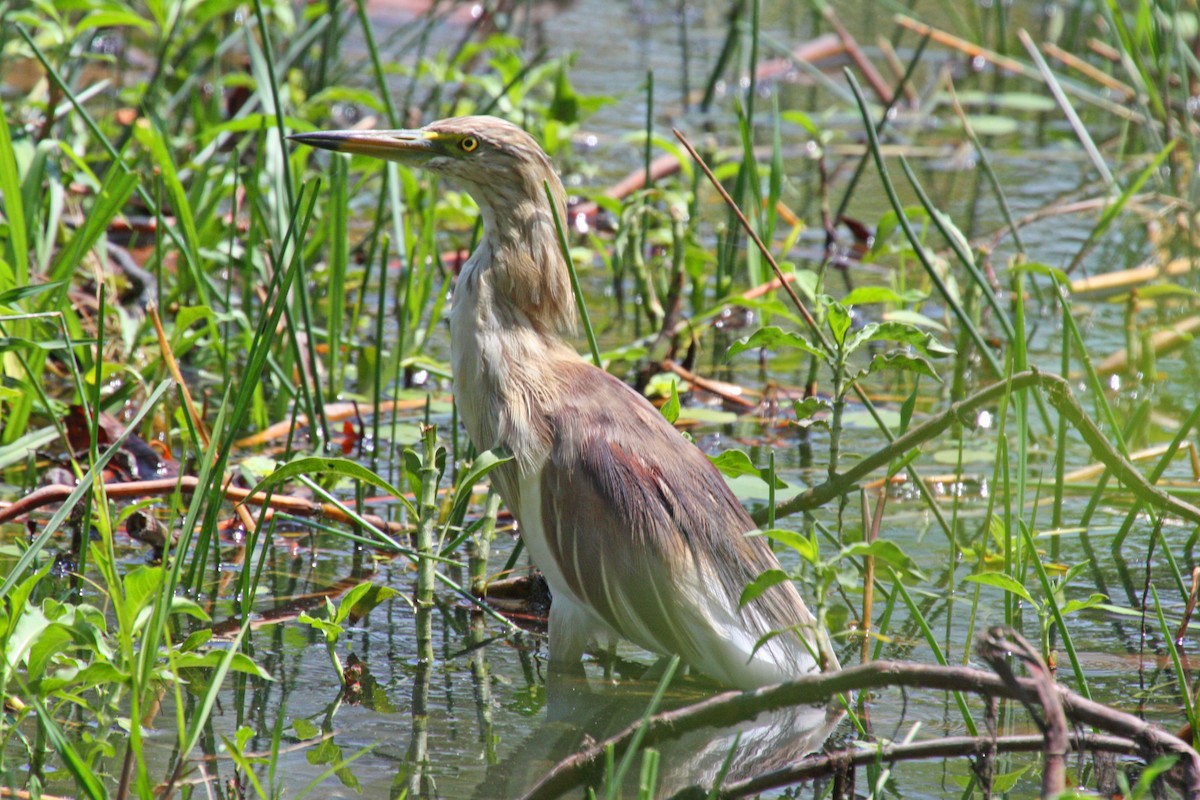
point(523, 261)
point(512, 305)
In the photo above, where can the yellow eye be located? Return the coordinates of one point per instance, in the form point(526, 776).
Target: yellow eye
point(469, 144)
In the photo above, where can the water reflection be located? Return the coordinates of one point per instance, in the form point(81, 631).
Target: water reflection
point(580, 714)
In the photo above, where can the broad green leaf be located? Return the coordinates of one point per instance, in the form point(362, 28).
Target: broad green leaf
point(916, 318)
point(734, 463)
point(797, 541)
point(305, 729)
point(114, 19)
point(1002, 581)
point(809, 407)
point(361, 599)
point(889, 222)
point(885, 551)
point(31, 624)
point(50, 641)
point(993, 124)
point(1038, 268)
point(1079, 605)
point(774, 338)
point(901, 333)
point(838, 318)
point(332, 630)
point(20, 599)
point(196, 640)
point(867, 295)
point(140, 584)
point(900, 361)
point(212, 659)
point(755, 589)
point(483, 464)
point(804, 121)
point(670, 409)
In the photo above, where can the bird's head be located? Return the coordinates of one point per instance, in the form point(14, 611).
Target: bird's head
point(497, 163)
point(505, 170)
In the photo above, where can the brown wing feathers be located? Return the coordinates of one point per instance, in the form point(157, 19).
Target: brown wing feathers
point(615, 456)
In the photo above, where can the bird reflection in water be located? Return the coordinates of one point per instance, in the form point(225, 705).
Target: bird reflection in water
point(583, 714)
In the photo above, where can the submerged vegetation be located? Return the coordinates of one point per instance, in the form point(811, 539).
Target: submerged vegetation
point(930, 312)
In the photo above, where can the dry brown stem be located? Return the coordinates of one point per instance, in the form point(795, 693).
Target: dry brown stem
point(58, 493)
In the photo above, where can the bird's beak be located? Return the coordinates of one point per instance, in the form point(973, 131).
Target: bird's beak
point(404, 146)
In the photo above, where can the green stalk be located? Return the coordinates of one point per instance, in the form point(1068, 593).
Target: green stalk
point(1052, 603)
point(579, 301)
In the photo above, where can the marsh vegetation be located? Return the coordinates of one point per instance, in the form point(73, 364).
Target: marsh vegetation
point(246, 550)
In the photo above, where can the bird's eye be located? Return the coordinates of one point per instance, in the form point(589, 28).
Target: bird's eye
point(469, 144)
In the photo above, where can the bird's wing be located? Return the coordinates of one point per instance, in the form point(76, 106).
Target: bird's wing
point(645, 532)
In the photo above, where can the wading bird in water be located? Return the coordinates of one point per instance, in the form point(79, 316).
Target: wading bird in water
point(635, 530)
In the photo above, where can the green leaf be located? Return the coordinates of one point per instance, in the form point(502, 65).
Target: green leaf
point(305, 729)
point(1045, 270)
point(708, 416)
point(196, 640)
point(772, 577)
point(51, 640)
point(900, 361)
point(332, 630)
point(914, 318)
point(808, 408)
point(804, 121)
point(361, 599)
point(839, 320)
point(886, 552)
point(115, 19)
point(31, 624)
point(18, 293)
point(797, 541)
point(735, 463)
point(1079, 605)
point(94, 674)
point(140, 584)
point(17, 241)
point(901, 333)
point(483, 464)
point(774, 338)
point(1002, 581)
point(670, 409)
point(889, 222)
point(20, 600)
point(867, 295)
point(212, 659)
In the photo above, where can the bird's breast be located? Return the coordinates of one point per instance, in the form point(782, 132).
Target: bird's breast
point(504, 373)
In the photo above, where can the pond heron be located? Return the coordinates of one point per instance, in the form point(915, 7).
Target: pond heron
point(635, 530)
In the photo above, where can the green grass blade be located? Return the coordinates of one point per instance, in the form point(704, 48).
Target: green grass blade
point(1052, 603)
point(579, 301)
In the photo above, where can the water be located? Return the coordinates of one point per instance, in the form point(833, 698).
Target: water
point(490, 729)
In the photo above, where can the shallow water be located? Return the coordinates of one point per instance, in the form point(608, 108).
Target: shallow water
point(489, 728)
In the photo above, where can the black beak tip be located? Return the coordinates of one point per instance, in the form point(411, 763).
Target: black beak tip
point(319, 139)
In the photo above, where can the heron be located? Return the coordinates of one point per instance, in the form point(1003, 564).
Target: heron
point(637, 533)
